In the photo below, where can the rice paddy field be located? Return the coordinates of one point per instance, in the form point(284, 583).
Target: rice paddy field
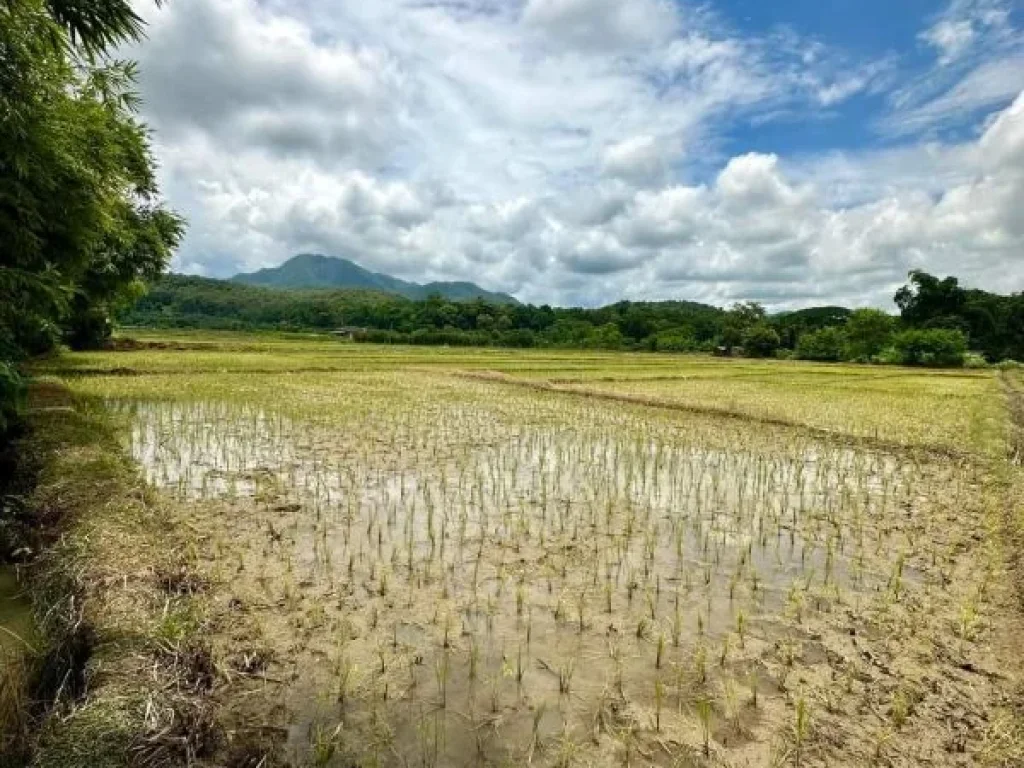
point(439, 557)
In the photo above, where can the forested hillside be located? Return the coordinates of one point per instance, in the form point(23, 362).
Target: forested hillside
point(203, 303)
point(939, 322)
point(313, 270)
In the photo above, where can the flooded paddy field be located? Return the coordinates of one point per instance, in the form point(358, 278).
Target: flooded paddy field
point(422, 561)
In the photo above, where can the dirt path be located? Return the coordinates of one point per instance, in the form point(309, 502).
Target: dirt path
point(1007, 643)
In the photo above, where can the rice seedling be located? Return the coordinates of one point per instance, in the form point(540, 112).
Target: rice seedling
point(538, 717)
point(565, 673)
point(442, 672)
point(324, 743)
point(900, 708)
point(801, 729)
point(659, 700)
point(703, 709)
point(433, 511)
point(700, 663)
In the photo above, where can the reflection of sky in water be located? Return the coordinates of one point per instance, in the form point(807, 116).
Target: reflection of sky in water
point(786, 512)
point(459, 507)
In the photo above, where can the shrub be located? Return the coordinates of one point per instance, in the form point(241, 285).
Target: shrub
point(974, 360)
point(868, 332)
point(931, 346)
point(760, 340)
point(675, 340)
point(889, 356)
point(88, 328)
point(607, 336)
point(449, 337)
point(375, 336)
point(12, 392)
point(522, 338)
point(826, 344)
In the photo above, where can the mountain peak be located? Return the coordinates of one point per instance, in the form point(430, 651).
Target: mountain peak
point(315, 270)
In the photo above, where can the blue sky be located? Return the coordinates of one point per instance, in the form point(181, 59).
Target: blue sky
point(583, 151)
point(892, 33)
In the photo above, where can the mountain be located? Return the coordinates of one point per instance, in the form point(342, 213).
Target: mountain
point(313, 270)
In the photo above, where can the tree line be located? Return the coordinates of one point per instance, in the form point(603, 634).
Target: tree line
point(81, 222)
point(940, 323)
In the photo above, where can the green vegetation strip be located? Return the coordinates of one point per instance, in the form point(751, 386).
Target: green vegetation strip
point(121, 678)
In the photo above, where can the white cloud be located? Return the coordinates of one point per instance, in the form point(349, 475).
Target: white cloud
point(639, 159)
point(753, 181)
point(950, 38)
point(509, 220)
point(964, 24)
point(760, 233)
point(601, 25)
point(988, 84)
point(463, 141)
point(979, 65)
point(671, 215)
point(598, 253)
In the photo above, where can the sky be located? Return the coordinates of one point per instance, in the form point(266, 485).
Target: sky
point(579, 152)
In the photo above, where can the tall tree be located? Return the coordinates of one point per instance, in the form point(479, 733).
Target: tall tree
point(926, 298)
point(868, 332)
point(741, 317)
point(80, 215)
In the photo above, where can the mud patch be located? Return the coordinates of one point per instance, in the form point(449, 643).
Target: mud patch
point(580, 590)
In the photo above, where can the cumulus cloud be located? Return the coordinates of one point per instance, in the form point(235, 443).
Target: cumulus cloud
point(758, 233)
point(571, 151)
point(235, 70)
point(601, 25)
point(671, 215)
point(639, 159)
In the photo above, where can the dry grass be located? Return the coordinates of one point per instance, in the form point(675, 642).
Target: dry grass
point(105, 691)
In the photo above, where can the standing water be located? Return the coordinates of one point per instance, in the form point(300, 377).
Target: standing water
point(17, 641)
point(17, 629)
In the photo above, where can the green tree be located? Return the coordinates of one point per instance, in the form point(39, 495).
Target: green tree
point(607, 336)
point(760, 340)
point(931, 346)
point(793, 325)
point(926, 298)
point(827, 344)
point(740, 317)
point(868, 332)
point(675, 340)
point(80, 217)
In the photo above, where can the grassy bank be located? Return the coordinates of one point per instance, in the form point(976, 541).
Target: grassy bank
point(119, 677)
point(1013, 385)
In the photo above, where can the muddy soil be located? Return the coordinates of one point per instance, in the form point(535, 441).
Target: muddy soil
point(460, 590)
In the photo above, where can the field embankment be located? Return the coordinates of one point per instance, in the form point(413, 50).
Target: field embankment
point(118, 672)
